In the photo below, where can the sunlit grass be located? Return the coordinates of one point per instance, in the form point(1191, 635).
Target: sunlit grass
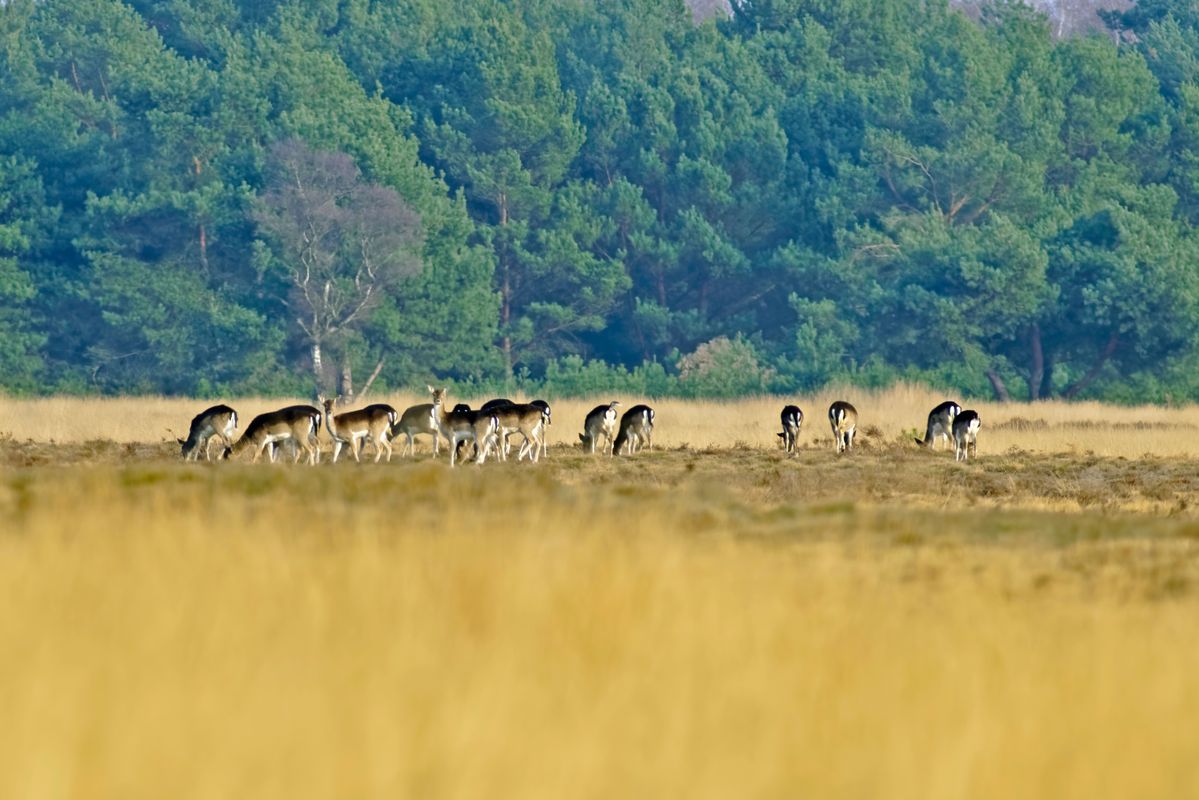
point(263, 632)
point(891, 414)
point(713, 619)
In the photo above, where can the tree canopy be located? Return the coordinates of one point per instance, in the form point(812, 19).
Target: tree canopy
point(573, 195)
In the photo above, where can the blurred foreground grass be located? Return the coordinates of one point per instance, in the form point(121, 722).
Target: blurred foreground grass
point(662, 628)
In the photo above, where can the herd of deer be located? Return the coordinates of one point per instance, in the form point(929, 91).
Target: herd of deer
point(947, 420)
point(488, 429)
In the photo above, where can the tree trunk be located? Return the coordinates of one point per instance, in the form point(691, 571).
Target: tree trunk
point(505, 319)
point(203, 248)
point(345, 388)
point(366, 387)
point(318, 369)
point(1093, 373)
point(1036, 372)
point(505, 294)
point(997, 385)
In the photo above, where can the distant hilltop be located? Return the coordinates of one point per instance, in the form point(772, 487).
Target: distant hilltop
point(1069, 17)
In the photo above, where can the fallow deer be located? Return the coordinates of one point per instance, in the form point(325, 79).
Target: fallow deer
point(965, 434)
point(417, 420)
point(600, 421)
point(940, 423)
point(526, 419)
point(355, 427)
point(843, 418)
point(219, 421)
point(545, 412)
point(299, 424)
point(636, 430)
point(480, 427)
point(792, 419)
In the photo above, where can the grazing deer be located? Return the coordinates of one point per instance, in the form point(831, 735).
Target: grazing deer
point(636, 430)
point(965, 434)
point(218, 421)
point(600, 421)
point(480, 427)
point(355, 427)
point(940, 423)
point(526, 419)
point(298, 424)
point(414, 421)
point(792, 418)
point(843, 418)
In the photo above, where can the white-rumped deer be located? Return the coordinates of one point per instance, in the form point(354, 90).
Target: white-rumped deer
point(792, 419)
point(965, 434)
point(636, 430)
point(298, 424)
point(940, 424)
point(843, 418)
point(526, 419)
point(219, 421)
point(353, 428)
point(600, 421)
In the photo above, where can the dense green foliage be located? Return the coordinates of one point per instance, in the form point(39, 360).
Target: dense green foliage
point(599, 195)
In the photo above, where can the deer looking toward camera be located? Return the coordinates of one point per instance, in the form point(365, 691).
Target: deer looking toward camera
point(480, 427)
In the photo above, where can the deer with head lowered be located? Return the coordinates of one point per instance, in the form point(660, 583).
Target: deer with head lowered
point(600, 421)
point(298, 424)
point(792, 419)
point(219, 421)
point(965, 434)
point(480, 427)
point(353, 428)
point(843, 418)
point(940, 423)
point(636, 430)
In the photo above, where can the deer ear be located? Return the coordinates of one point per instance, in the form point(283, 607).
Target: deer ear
point(430, 388)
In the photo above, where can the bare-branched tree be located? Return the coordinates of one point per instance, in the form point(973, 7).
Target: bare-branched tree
point(342, 243)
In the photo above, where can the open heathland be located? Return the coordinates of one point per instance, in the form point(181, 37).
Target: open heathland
point(709, 619)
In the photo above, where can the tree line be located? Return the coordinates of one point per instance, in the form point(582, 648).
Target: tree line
point(210, 197)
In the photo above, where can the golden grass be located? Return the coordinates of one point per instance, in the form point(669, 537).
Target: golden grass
point(203, 632)
point(891, 414)
point(713, 619)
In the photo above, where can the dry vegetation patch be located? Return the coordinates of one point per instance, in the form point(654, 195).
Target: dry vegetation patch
point(711, 619)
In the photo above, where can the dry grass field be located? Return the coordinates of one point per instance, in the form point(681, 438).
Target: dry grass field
point(709, 620)
point(886, 416)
